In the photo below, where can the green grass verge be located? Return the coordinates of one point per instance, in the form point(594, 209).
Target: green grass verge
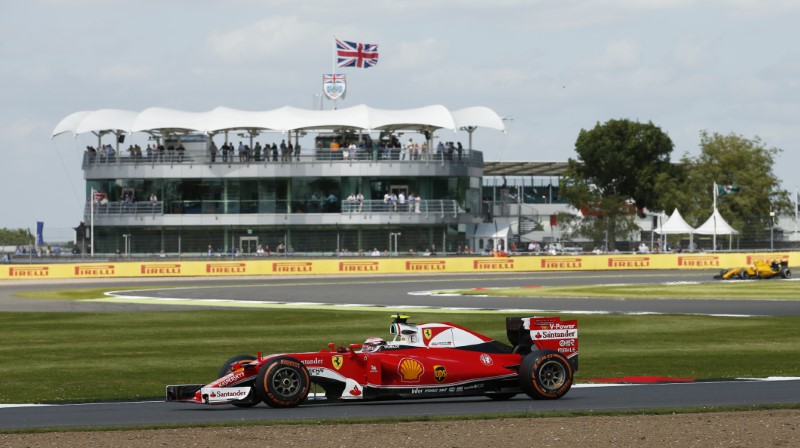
point(764, 289)
point(81, 294)
point(67, 357)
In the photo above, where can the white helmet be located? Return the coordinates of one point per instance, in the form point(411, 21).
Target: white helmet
point(373, 344)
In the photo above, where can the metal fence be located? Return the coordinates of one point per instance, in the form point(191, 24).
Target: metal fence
point(436, 207)
point(321, 155)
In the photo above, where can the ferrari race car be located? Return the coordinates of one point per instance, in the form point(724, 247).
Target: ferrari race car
point(421, 361)
point(759, 269)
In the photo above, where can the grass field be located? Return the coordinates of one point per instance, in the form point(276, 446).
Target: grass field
point(61, 357)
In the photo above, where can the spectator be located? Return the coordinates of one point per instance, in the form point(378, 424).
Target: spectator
point(360, 200)
point(212, 152)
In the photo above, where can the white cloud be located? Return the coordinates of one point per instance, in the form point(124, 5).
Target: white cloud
point(282, 40)
point(413, 55)
point(695, 53)
point(617, 55)
point(124, 73)
point(20, 130)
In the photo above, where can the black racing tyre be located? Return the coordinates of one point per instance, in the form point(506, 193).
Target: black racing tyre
point(545, 375)
point(786, 273)
point(282, 382)
point(743, 274)
point(226, 367)
point(251, 399)
point(501, 396)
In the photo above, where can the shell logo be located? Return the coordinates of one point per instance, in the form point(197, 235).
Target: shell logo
point(410, 370)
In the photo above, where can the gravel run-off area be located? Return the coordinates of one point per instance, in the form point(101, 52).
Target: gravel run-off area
point(769, 428)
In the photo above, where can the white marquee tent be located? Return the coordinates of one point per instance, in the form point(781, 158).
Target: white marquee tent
point(675, 225)
point(716, 225)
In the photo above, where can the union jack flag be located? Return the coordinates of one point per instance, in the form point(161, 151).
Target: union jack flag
point(353, 54)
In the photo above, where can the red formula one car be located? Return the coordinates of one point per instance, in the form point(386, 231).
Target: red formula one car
point(422, 361)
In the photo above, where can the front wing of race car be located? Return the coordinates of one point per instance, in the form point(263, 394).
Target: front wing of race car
point(207, 395)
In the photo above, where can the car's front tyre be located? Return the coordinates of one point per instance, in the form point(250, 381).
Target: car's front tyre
point(282, 382)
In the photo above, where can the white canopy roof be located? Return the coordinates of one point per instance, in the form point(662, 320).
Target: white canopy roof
point(675, 225)
point(157, 119)
point(716, 224)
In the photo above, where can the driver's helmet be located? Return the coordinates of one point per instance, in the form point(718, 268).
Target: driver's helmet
point(373, 344)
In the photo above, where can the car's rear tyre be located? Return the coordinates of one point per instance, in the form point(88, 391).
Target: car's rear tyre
point(501, 396)
point(786, 273)
point(251, 399)
point(545, 375)
point(282, 382)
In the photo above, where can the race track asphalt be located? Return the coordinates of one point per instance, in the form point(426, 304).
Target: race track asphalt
point(388, 292)
point(595, 399)
point(401, 291)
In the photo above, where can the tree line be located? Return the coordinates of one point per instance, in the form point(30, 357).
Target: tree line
point(624, 168)
point(15, 237)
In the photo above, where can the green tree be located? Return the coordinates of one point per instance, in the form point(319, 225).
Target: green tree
point(14, 237)
point(619, 163)
point(728, 160)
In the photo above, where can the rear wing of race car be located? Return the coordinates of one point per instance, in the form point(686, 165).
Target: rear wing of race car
point(544, 333)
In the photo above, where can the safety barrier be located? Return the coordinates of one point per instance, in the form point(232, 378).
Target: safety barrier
point(376, 265)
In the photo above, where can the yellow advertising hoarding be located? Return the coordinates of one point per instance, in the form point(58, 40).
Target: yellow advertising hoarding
point(368, 265)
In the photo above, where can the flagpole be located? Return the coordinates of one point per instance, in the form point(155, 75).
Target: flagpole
point(796, 205)
point(91, 221)
point(714, 217)
point(333, 66)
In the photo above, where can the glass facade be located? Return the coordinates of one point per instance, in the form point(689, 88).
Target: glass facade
point(193, 241)
point(292, 195)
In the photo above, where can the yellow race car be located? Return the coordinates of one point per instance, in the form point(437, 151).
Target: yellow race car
point(759, 269)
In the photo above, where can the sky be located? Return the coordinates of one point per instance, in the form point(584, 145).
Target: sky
point(550, 67)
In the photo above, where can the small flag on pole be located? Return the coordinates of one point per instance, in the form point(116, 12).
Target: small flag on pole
point(727, 189)
point(354, 54)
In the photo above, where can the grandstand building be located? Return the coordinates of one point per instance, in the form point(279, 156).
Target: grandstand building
point(179, 191)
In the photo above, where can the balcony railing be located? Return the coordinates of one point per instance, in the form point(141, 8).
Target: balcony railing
point(429, 207)
point(316, 156)
point(125, 208)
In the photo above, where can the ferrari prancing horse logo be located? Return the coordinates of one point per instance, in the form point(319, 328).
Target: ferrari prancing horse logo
point(427, 333)
point(337, 361)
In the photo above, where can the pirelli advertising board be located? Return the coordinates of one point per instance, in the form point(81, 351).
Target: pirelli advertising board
point(369, 265)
